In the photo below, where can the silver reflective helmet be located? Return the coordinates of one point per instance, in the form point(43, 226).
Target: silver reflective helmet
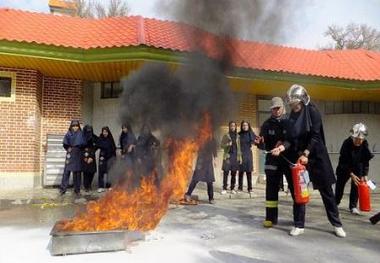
point(296, 94)
point(359, 130)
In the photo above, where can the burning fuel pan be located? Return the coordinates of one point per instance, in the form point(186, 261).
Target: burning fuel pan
point(67, 243)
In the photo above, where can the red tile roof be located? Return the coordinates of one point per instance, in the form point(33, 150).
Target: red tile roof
point(23, 26)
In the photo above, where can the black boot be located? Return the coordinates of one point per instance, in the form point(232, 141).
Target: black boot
point(374, 219)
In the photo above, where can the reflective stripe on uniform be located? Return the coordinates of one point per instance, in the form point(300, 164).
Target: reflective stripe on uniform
point(271, 204)
point(270, 167)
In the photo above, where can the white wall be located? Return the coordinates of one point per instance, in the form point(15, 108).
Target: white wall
point(105, 113)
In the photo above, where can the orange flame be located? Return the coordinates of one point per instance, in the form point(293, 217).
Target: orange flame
point(142, 208)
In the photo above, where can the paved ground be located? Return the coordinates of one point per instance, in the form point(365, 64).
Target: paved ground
point(229, 231)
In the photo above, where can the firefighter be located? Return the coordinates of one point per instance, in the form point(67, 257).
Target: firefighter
point(353, 163)
point(272, 134)
point(305, 143)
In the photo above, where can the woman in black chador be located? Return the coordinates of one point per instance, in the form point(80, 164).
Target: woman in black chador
point(305, 143)
point(231, 156)
point(204, 170)
point(107, 154)
point(89, 158)
point(127, 143)
point(147, 153)
point(73, 143)
point(247, 139)
point(353, 163)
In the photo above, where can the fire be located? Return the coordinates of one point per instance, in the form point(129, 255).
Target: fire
point(142, 208)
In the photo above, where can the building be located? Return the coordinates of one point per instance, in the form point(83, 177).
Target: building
point(57, 68)
point(61, 7)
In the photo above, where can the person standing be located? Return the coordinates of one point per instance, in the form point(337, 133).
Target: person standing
point(127, 144)
point(306, 144)
point(73, 143)
point(273, 133)
point(89, 158)
point(353, 163)
point(247, 139)
point(231, 156)
point(204, 170)
point(147, 153)
point(107, 154)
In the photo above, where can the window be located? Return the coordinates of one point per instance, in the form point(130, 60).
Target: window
point(7, 86)
point(111, 90)
point(352, 107)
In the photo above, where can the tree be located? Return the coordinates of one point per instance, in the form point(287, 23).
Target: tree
point(97, 9)
point(353, 36)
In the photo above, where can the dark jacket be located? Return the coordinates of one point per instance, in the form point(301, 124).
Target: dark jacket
point(107, 153)
point(247, 139)
point(89, 151)
point(126, 140)
point(204, 168)
point(273, 131)
point(231, 153)
point(354, 159)
point(73, 143)
point(305, 131)
point(147, 153)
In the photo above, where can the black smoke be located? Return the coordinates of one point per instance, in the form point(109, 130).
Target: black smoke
point(173, 101)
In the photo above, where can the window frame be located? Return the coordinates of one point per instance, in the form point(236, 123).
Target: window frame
point(112, 91)
point(12, 76)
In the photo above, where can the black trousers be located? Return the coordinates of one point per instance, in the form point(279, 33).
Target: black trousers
point(77, 178)
point(210, 189)
point(225, 180)
point(103, 180)
point(339, 190)
point(328, 199)
point(249, 180)
point(87, 180)
point(273, 185)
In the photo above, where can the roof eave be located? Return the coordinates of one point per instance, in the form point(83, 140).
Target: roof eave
point(146, 53)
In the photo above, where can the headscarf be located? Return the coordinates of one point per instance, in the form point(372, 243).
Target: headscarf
point(303, 123)
point(109, 137)
point(74, 138)
point(88, 134)
point(233, 134)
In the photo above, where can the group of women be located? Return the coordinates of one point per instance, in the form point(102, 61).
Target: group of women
point(81, 147)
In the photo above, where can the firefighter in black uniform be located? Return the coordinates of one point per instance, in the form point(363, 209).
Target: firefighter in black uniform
point(272, 134)
point(353, 163)
point(305, 143)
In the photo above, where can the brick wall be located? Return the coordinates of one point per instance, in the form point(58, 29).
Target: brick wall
point(247, 108)
point(20, 124)
point(61, 102)
point(43, 105)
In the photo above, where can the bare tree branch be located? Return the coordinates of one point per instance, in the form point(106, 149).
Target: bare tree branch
point(353, 36)
point(97, 9)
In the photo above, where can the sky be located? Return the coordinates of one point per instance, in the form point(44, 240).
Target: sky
point(309, 24)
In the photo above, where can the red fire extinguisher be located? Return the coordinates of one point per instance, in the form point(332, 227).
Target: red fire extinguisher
point(364, 197)
point(301, 180)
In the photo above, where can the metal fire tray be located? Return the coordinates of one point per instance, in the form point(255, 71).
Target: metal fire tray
point(68, 243)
